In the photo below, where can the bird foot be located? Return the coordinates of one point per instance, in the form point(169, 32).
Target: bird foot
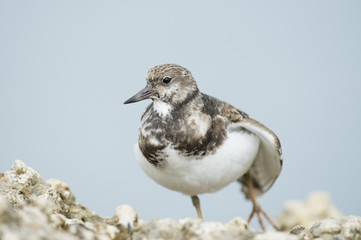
point(259, 211)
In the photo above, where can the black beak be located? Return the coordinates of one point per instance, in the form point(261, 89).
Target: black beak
point(145, 93)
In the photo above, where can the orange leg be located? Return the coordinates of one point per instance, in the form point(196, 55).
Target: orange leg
point(257, 208)
point(197, 205)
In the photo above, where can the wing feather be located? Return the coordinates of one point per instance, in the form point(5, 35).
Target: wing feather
point(268, 162)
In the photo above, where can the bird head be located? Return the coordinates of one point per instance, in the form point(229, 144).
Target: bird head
point(168, 83)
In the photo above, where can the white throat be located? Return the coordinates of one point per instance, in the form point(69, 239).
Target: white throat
point(162, 108)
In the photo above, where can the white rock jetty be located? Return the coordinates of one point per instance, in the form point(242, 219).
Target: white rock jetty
point(32, 208)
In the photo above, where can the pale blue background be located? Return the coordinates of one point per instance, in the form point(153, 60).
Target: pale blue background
point(66, 67)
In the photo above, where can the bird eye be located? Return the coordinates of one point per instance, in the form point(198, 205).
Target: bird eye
point(166, 80)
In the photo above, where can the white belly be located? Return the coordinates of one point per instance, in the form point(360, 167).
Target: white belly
point(209, 174)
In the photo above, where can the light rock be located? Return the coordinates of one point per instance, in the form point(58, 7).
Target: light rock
point(31, 208)
point(27, 222)
point(190, 228)
point(196, 229)
point(158, 229)
point(276, 236)
point(238, 223)
point(338, 228)
point(126, 217)
point(351, 227)
point(235, 229)
point(316, 207)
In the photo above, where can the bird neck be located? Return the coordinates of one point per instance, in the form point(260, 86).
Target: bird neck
point(192, 102)
point(162, 108)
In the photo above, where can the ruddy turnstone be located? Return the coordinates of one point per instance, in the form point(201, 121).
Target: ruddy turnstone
point(194, 143)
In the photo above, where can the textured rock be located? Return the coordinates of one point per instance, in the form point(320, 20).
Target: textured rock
point(316, 207)
point(190, 228)
point(126, 216)
point(47, 210)
point(333, 228)
point(31, 208)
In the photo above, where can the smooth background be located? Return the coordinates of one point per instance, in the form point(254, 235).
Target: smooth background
point(66, 67)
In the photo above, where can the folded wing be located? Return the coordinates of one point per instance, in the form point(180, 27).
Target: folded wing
point(268, 162)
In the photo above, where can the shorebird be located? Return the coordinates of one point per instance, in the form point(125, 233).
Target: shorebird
point(193, 143)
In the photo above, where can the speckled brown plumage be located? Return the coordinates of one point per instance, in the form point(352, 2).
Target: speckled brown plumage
point(176, 131)
point(192, 126)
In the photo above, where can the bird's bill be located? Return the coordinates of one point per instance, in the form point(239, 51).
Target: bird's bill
point(145, 93)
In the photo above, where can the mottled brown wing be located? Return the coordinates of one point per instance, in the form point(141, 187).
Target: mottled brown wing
point(268, 163)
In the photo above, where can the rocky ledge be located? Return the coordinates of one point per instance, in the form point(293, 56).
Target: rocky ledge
point(32, 208)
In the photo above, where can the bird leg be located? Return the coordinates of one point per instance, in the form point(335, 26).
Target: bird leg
point(257, 208)
point(197, 205)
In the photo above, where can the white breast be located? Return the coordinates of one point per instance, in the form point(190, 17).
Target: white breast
point(162, 108)
point(193, 176)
